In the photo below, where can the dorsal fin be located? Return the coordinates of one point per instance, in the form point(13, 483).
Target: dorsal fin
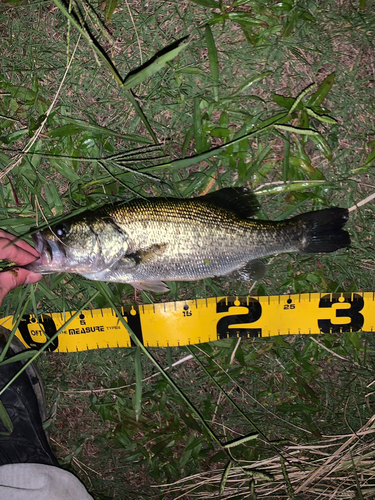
point(240, 200)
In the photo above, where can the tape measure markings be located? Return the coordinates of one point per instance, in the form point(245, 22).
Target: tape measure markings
point(203, 320)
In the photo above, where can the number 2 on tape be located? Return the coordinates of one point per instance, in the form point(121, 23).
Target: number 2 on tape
point(254, 312)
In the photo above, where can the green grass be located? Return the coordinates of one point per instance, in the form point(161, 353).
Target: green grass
point(171, 98)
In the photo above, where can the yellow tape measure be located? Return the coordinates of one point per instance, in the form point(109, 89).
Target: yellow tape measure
point(202, 320)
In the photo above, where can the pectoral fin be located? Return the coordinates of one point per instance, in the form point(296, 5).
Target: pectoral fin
point(148, 254)
point(122, 271)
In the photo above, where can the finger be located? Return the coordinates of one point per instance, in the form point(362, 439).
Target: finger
point(20, 243)
point(11, 278)
point(16, 254)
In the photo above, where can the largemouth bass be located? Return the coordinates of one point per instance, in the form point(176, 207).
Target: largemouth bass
point(148, 241)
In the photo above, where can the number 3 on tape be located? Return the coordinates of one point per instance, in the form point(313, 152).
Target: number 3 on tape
point(356, 303)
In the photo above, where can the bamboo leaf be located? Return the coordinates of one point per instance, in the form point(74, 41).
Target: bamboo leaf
point(16, 136)
point(370, 158)
point(251, 82)
point(64, 169)
point(322, 145)
point(64, 131)
point(299, 98)
point(98, 130)
point(296, 130)
point(152, 66)
point(21, 93)
point(301, 163)
point(291, 21)
point(285, 102)
point(321, 118)
point(318, 97)
point(241, 168)
point(244, 18)
point(224, 119)
point(190, 70)
point(220, 132)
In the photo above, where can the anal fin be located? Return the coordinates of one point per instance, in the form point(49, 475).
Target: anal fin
point(254, 270)
point(153, 286)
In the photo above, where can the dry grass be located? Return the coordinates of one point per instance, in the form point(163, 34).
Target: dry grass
point(335, 467)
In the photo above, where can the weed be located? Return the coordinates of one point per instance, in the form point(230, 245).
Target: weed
point(106, 101)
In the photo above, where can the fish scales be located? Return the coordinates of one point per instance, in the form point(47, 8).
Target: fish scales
point(148, 241)
point(200, 242)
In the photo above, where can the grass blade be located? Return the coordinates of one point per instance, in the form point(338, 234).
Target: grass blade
point(93, 44)
point(233, 403)
point(294, 186)
point(47, 344)
point(110, 8)
point(106, 293)
point(286, 157)
point(197, 127)
point(19, 357)
point(214, 63)
point(237, 442)
point(212, 4)
point(142, 116)
point(108, 63)
point(5, 419)
point(224, 477)
point(287, 479)
point(137, 401)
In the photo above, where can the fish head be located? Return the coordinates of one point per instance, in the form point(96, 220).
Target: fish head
point(79, 245)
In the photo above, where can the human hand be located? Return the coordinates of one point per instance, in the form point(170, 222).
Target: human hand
point(21, 253)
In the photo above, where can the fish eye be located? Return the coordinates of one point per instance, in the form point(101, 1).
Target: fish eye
point(61, 229)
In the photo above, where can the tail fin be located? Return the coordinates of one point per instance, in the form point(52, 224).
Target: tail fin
point(323, 230)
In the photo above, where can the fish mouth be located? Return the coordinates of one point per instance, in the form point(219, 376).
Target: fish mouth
point(52, 255)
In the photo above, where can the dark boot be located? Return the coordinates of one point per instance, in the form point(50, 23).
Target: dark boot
point(25, 403)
